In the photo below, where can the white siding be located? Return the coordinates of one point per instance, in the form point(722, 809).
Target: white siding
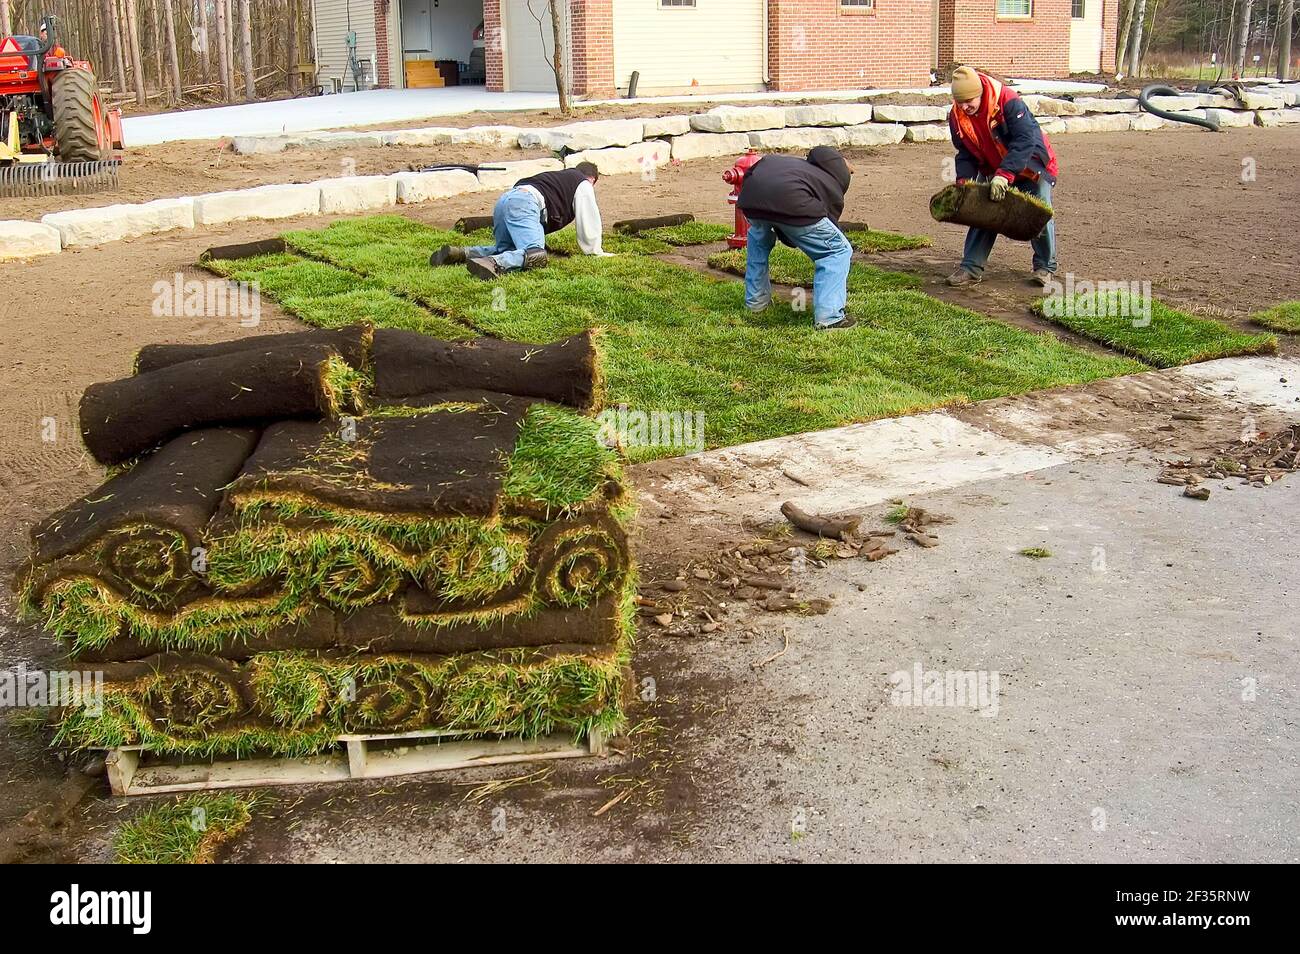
point(715, 45)
point(1085, 39)
point(332, 19)
point(526, 68)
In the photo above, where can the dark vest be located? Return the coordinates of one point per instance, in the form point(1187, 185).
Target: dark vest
point(558, 190)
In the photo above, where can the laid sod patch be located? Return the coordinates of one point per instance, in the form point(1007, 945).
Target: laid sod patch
point(690, 233)
point(679, 342)
point(873, 240)
point(1284, 318)
point(185, 832)
point(1167, 339)
point(789, 266)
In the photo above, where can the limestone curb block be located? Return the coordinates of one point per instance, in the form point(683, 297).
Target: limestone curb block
point(1052, 124)
point(1148, 122)
point(427, 136)
point(113, 222)
point(1252, 100)
point(621, 160)
point(357, 193)
point(874, 134)
point(27, 240)
point(340, 140)
point(1289, 93)
point(667, 126)
point(1093, 104)
point(1101, 122)
point(837, 114)
point(928, 132)
point(413, 187)
point(1217, 101)
point(804, 138)
point(733, 119)
point(263, 202)
point(1176, 104)
point(514, 171)
point(575, 137)
point(1049, 106)
point(706, 145)
point(910, 114)
point(1231, 117)
point(262, 145)
point(1277, 117)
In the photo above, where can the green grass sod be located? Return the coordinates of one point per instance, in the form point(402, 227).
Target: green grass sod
point(185, 832)
point(1284, 317)
point(873, 240)
point(789, 266)
point(1170, 338)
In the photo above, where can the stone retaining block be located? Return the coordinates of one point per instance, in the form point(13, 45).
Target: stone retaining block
point(263, 202)
point(575, 137)
point(413, 187)
point(910, 114)
point(831, 114)
point(357, 193)
point(113, 222)
point(622, 160)
point(707, 145)
point(27, 240)
point(512, 172)
point(733, 119)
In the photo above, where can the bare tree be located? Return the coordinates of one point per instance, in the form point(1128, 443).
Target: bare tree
point(173, 59)
point(204, 41)
point(1284, 43)
point(1125, 28)
point(1135, 39)
point(556, 60)
point(5, 28)
point(291, 41)
point(246, 49)
point(223, 54)
point(1243, 40)
point(133, 43)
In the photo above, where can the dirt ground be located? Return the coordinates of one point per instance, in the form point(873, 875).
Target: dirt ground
point(1204, 239)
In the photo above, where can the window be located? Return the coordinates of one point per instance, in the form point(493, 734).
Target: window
point(676, 3)
point(1079, 9)
point(858, 4)
point(1015, 8)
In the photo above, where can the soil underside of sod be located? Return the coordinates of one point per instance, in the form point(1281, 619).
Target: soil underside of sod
point(675, 340)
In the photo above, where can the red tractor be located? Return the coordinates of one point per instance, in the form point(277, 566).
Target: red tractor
point(55, 134)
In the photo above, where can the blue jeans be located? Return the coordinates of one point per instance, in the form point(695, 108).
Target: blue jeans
point(823, 243)
point(516, 225)
point(979, 242)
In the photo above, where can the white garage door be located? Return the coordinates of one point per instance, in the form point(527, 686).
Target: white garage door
point(685, 46)
point(527, 46)
point(1085, 36)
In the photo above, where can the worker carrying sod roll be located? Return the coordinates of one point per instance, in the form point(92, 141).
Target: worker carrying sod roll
point(1002, 155)
point(525, 215)
point(798, 202)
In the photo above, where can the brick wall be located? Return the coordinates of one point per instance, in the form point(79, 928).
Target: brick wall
point(591, 25)
point(1109, 35)
point(492, 45)
point(1035, 47)
point(817, 44)
point(383, 76)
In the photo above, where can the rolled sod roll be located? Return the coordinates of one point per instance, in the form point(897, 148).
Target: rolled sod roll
point(408, 363)
point(1019, 216)
point(352, 343)
point(633, 226)
point(119, 419)
point(472, 223)
point(177, 489)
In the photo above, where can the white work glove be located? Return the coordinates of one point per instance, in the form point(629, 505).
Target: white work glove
point(998, 188)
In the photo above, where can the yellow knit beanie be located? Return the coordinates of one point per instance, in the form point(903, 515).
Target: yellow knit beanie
point(965, 84)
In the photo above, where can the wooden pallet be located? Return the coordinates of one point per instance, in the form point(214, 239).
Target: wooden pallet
point(132, 772)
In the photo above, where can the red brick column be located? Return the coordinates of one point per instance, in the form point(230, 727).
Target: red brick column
point(1037, 47)
point(493, 46)
point(383, 75)
point(1109, 35)
point(591, 25)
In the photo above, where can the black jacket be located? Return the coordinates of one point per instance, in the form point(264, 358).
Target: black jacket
point(794, 191)
point(558, 190)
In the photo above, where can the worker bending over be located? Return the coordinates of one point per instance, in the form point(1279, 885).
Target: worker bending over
point(799, 203)
point(524, 216)
point(998, 140)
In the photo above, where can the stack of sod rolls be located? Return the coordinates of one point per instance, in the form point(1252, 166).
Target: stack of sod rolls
point(347, 531)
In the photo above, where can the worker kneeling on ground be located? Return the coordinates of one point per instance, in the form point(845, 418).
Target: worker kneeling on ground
point(799, 203)
point(998, 140)
point(524, 216)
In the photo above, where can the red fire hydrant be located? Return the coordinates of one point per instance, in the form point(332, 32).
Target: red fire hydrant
point(735, 177)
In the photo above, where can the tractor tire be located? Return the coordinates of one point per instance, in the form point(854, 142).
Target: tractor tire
point(77, 117)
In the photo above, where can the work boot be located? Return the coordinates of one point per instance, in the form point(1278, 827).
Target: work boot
point(534, 258)
point(962, 277)
point(1041, 277)
point(845, 322)
point(484, 268)
point(448, 255)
